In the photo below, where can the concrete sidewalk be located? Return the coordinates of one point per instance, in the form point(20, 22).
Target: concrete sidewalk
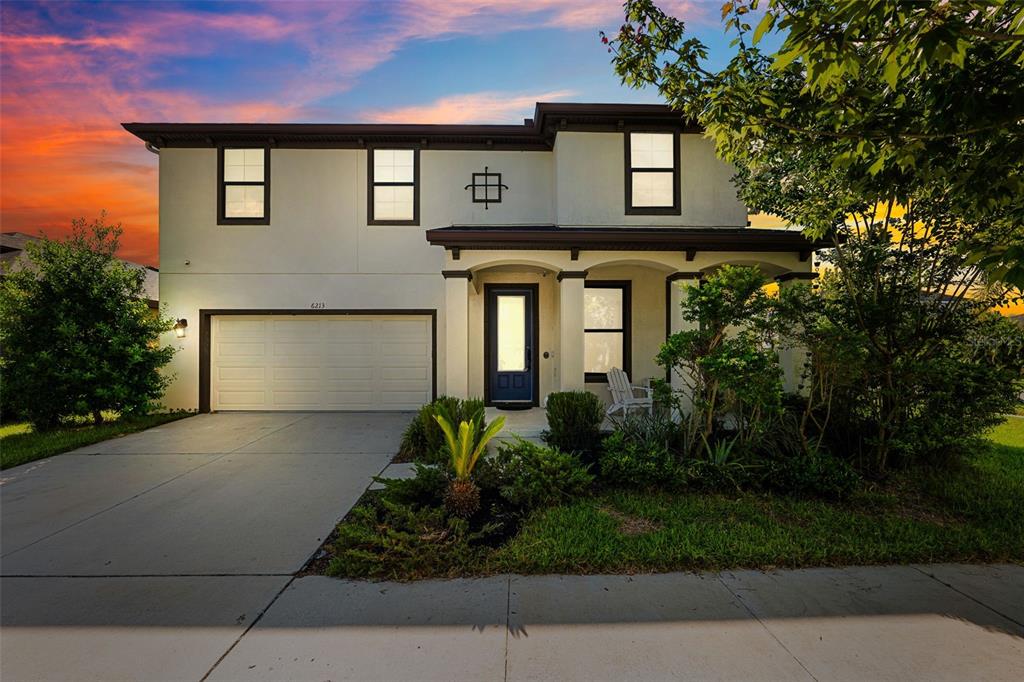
point(937, 622)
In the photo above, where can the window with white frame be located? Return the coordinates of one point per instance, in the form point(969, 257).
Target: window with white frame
point(244, 197)
point(393, 183)
point(606, 328)
point(652, 173)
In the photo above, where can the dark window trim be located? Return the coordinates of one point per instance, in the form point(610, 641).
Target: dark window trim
point(222, 186)
point(675, 208)
point(535, 367)
point(206, 332)
point(627, 327)
point(370, 219)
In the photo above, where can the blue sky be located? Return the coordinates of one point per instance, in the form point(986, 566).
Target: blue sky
point(72, 72)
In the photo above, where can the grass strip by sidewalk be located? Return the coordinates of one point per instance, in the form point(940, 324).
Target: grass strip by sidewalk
point(20, 444)
point(970, 513)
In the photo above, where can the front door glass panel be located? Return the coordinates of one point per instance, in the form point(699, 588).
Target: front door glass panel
point(511, 333)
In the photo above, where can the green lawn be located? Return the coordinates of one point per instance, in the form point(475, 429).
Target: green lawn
point(970, 514)
point(20, 444)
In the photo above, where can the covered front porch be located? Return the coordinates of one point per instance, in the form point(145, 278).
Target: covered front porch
point(526, 318)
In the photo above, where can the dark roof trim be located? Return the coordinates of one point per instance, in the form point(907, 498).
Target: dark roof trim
point(789, 276)
point(536, 134)
point(550, 237)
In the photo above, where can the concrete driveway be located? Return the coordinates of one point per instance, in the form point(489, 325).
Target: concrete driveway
point(170, 555)
point(200, 522)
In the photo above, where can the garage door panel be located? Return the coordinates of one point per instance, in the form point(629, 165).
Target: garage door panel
point(297, 399)
point(294, 373)
point(241, 399)
point(245, 329)
point(349, 374)
point(236, 349)
point(413, 372)
point(295, 329)
point(241, 373)
point(295, 349)
point(361, 348)
point(320, 363)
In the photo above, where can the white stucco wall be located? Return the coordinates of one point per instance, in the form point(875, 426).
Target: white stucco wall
point(318, 248)
point(591, 185)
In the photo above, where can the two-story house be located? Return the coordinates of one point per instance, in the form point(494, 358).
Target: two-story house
point(364, 266)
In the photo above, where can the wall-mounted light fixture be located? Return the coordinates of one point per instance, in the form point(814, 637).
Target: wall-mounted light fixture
point(179, 328)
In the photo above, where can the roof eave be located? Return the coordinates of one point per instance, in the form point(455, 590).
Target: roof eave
point(624, 239)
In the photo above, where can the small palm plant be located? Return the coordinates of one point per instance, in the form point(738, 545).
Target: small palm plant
point(463, 496)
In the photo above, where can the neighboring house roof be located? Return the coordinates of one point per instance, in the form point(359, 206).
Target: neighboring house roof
point(12, 246)
point(537, 133)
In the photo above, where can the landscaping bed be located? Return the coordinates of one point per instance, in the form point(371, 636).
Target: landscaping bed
point(868, 460)
point(20, 444)
point(967, 513)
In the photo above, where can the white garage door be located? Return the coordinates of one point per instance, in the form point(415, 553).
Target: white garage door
point(320, 362)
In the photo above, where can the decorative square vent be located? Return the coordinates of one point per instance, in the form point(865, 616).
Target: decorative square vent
point(486, 188)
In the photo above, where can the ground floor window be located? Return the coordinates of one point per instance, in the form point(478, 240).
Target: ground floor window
point(606, 326)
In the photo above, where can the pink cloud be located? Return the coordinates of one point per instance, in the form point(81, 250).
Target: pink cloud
point(477, 107)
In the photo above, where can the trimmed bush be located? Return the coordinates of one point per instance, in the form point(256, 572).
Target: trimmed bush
point(628, 462)
point(812, 474)
point(426, 489)
point(389, 540)
point(574, 423)
point(532, 476)
point(423, 440)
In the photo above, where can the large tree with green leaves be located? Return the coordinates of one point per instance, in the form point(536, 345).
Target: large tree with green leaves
point(77, 336)
point(865, 107)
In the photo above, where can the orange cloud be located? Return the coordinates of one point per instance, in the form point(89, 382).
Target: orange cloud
point(477, 107)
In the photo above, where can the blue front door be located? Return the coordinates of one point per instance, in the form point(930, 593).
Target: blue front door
point(511, 343)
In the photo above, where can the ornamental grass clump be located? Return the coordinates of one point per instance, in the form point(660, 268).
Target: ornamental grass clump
point(462, 498)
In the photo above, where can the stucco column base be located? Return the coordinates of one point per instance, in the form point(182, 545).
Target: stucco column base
point(677, 294)
point(571, 377)
point(456, 327)
point(793, 358)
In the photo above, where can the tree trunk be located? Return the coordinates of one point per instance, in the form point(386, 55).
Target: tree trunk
point(97, 417)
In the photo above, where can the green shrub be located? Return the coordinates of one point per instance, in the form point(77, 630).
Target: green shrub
point(423, 440)
point(389, 540)
point(653, 430)
point(425, 489)
point(78, 336)
point(629, 462)
point(722, 467)
point(413, 446)
point(812, 474)
point(532, 476)
point(574, 423)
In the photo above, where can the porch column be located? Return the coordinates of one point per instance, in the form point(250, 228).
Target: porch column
point(571, 318)
point(456, 332)
point(792, 359)
point(676, 292)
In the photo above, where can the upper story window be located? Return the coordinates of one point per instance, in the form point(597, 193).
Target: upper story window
point(606, 329)
point(244, 192)
point(394, 192)
point(652, 173)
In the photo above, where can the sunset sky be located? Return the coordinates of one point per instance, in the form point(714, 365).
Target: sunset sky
point(72, 72)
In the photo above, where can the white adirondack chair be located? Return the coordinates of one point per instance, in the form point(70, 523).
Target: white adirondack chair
point(625, 396)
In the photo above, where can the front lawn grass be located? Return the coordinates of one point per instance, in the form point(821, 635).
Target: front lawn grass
point(970, 513)
point(20, 444)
